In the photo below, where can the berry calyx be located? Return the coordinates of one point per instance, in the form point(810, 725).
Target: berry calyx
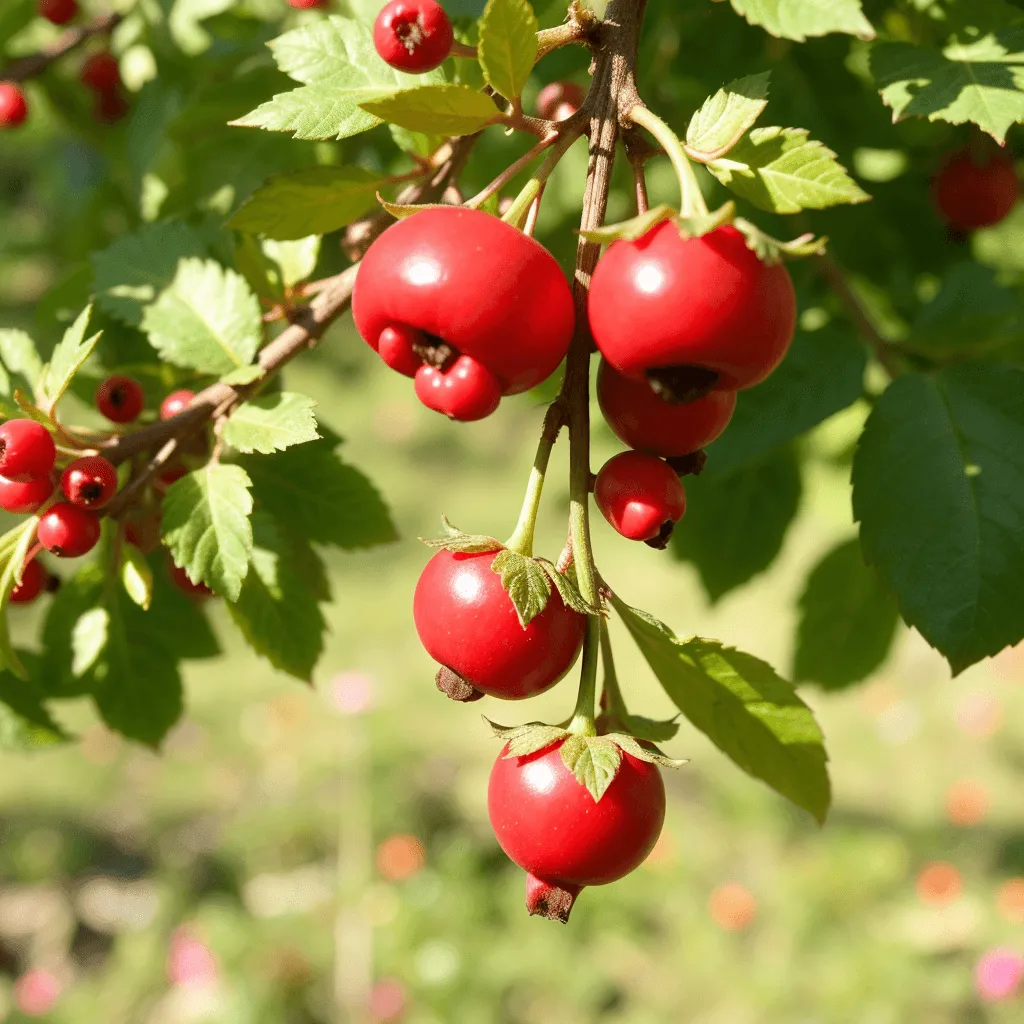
point(691, 315)
point(120, 399)
point(413, 35)
point(89, 482)
point(25, 497)
point(972, 194)
point(550, 825)
point(101, 72)
point(60, 12)
point(467, 622)
point(13, 108)
point(559, 100)
point(68, 531)
point(33, 579)
point(26, 450)
point(465, 391)
point(649, 422)
point(176, 402)
point(448, 283)
point(640, 496)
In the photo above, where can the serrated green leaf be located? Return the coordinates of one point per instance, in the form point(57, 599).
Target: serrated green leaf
point(206, 526)
point(442, 109)
point(263, 274)
point(76, 597)
point(311, 201)
point(88, 638)
point(523, 740)
point(567, 588)
point(507, 49)
point(632, 229)
point(208, 319)
point(402, 210)
point(739, 702)
point(21, 363)
point(782, 170)
point(14, 546)
point(296, 258)
point(651, 754)
point(25, 723)
point(938, 490)
point(271, 423)
point(772, 250)
point(455, 540)
point(526, 583)
point(726, 117)
point(649, 728)
point(136, 576)
point(798, 19)
point(244, 375)
point(594, 760)
point(67, 359)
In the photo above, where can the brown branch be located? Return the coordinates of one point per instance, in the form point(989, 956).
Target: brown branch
point(580, 29)
point(35, 64)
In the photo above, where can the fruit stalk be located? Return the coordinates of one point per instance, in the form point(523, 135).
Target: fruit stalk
point(584, 714)
point(522, 537)
point(692, 198)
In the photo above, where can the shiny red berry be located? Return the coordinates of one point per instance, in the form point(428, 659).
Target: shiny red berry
point(461, 292)
point(467, 623)
point(13, 108)
point(466, 390)
point(197, 591)
point(68, 531)
point(640, 496)
point(559, 100)
point(974, 194)
point(33, 579)
point(176, 402)
point(26, 450)
point(413, 35)
point(648, 422)
point(120, 399)
point(554, 830)
point(101, 72)
point(89, 482)
point(60, 12)
point(24, 497)
point(663, 306)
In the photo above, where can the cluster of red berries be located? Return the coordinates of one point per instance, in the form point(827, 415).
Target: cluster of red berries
point(975, 192)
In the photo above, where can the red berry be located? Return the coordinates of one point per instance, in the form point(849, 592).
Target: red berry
point(26, 450)
point(33, 579)
point(101, 72)
point(665, 303)
point(24, 497)
point(176, 402)
point(466, 391)
point(308, 5)
point(89, 482)
point(413, 35)
point(199, 591)
point(449, 283)
point(68, 531)
point(120, 399)
point(559, 100)
point(467, 622)
point(975, 194)
point(60, 12)
point(554, 830)
point(640, 496)
point(13, 108)
point(648, 422)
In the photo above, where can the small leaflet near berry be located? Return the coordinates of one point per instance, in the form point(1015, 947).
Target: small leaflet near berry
point(402, 210)
point(526, 739)
point(455, 540)
point(632, 229)
point(695, 227)
point(771, 250)
point(724, 118)
point(525, 581)
point(650, 754)
point(594, 760)
point(567, 588)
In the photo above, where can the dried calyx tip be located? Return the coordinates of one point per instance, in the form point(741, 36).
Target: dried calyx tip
point(555, 902)
point(452, 685)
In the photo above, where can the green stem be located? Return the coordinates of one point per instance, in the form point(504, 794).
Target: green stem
point(693, 204)
point(583, 716)
point(521, 540)
point(521, 204)
point(614, 703)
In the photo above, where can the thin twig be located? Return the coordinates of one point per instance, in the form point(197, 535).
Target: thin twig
point(35, 64)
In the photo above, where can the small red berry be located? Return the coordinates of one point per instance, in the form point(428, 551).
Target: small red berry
point(640, 496)
point(101, 72)
point(466, 391)
point(24, 497)
point(974, 194)
point(26, 450)
point(308, 5)
point(648, 422)
point(60, 12)
point(176, 402)
point(551, 826)
point(559, 100)
point(120, 399)
point(68, 531)
point(665, 305)
point(467, 623)
point(413, 35)
point(13, 108)
point(110, 107)
point(89, 482)
point(199, 591)
point(33, 579)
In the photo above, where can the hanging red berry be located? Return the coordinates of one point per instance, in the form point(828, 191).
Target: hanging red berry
point(413, 35)
point(33, 579)
point(60, 12)
point(176, 402)
point(89, 482)
point(559, 100)
point(975, 193)
point(101, 72)
point(26, 450)
point(120, 399)
point(13, 108)
point(68, 531)
point(25, 497)
point(640, 496)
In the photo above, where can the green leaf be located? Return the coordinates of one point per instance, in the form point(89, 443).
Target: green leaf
point(180, 616)
point(798, 19)
point(67, 359)
point(567, 588)
point(507, 49)
point(206, 526)
point(649, 728)
point(981, 81)
point(444, 109)
point(311, 201)
point(296, 259)
point(523, 740)
point(76, 598)
point(276, 611)
point(783, 171)
point(726, 117)
point(847, 621)
point(938, 490)
point(208, 319)
point(594, 760)
point(736, 522)
point(739, 702)
point(14, 546)
point(135, 269)
point(526, 583)
point(272, 423)
point(632, 229)
point(21, 363)
point(136, 576)
point(244, 375)
point(773, 250)
point(652, 755)
point(312, 492)
point(455, 540)
point(89, 637)
point(25, 722)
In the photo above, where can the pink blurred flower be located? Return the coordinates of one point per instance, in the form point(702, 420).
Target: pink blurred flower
point(351, 693)
point(999, 974)
point(387, 1000)
point(191, 962)
point(36, 992)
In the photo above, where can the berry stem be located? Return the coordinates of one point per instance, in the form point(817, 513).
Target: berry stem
point(35, 64)
point(578, 29)
point(509, 173)
point(613, 700)
point(583, 715)
point(463, 50)
point(693, 204)
point(532, 189)
point(521, 540)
